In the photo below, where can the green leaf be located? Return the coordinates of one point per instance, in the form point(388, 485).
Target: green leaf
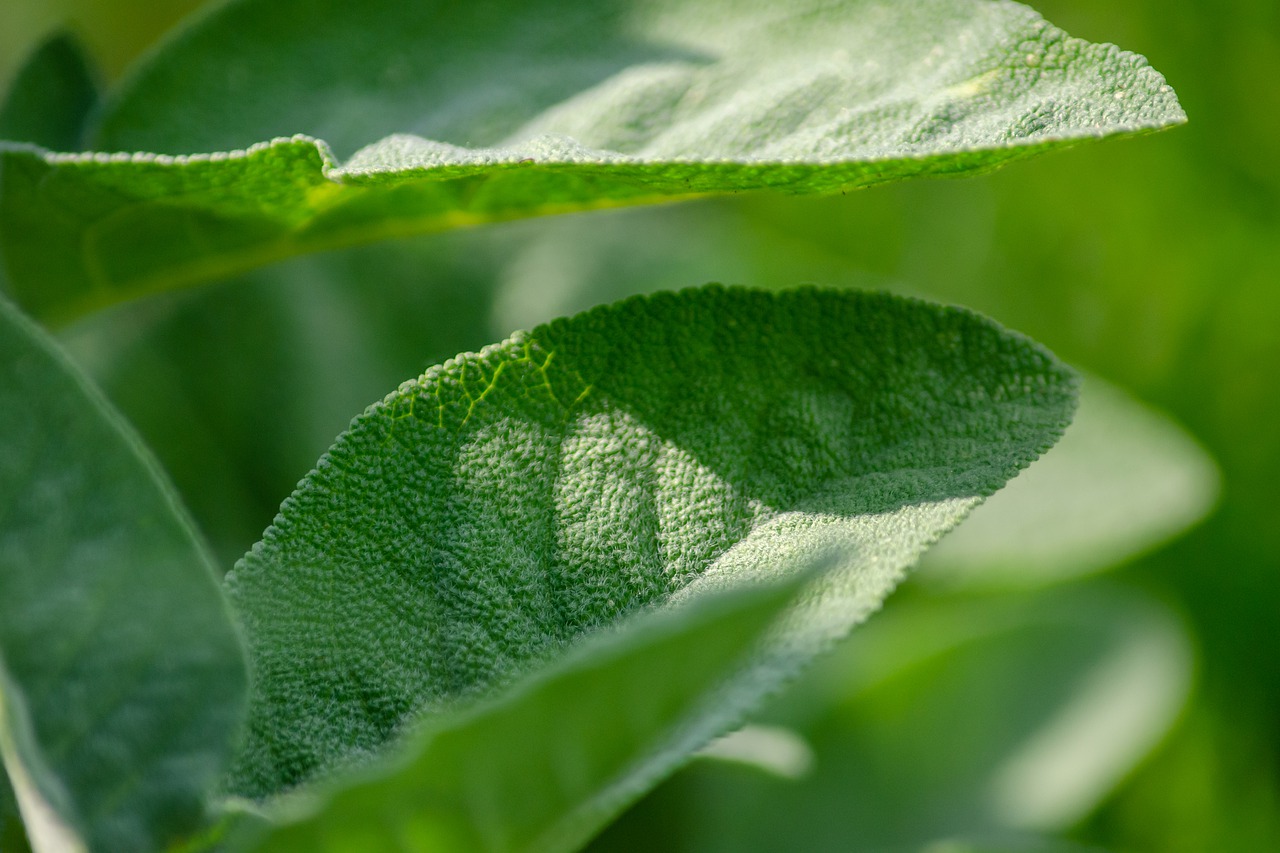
point(482, 518)
point(595, 730)
point(51, 96)
point(444, 115)
point(122, 680)
point(1123, 480)
point(178, 368)
point(942, 718)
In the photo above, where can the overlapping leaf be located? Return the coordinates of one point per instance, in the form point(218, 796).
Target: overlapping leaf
point(439, 115)
point(484, 518)
point(595, 731)
point(1122, 481)
point(1084, 683)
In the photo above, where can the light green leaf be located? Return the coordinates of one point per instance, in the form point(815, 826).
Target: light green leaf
point(443, 115)
point(991, 717)
point(483, 518)
point(51, 96)
point(594, 731)
point(1123, 480)
point(122, 681)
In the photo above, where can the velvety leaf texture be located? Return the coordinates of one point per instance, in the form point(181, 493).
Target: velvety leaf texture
point(596, 729)
point(122, 680)
point(425, 116)
point(487, 515)
point(1123, 480)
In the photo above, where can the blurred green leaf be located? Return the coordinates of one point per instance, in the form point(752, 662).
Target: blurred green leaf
point(193, 371)
point(51, 97)
point(528, 109)
point(1000, 718)
point(122, 681)
point(514, 500)
point(544, 766)
point(1122, 480)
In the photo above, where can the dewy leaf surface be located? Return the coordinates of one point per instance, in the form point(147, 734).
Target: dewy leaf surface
point(122, 680)
point(484, 517)
point(438, 115)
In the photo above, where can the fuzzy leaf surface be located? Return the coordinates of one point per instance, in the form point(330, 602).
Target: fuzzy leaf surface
point(427, 116)
point(487, 516)
point(596, 729)
point(122, 680)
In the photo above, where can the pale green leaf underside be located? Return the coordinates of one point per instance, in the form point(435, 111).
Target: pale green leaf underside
point(495, 110)
point(122, 681)
point(489, 514)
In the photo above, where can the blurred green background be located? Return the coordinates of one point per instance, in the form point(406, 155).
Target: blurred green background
point(1130, 701)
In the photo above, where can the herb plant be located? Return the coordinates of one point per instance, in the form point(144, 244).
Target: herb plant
point(528, 585)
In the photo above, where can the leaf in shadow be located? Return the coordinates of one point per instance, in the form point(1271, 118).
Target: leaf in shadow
point(1124, 480)
point(51, 97)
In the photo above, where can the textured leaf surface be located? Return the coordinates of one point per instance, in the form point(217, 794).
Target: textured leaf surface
point(485, 516)
point(1123, 480)
point(595, 731)
point(122, 681)
point(445, 114)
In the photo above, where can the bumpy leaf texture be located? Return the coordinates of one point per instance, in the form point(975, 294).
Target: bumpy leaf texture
point(545, 764)
point(488, 515)
point(426, 116)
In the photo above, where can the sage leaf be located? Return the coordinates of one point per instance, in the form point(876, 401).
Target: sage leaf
point(485, 517)
point(594, 729)
point(122, 679)
point(1124, 480)
point(422, 117)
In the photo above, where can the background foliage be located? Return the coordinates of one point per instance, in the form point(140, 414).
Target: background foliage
point(1150, 263)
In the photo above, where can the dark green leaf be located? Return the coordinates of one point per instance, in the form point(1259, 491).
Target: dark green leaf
point(50, 99)
point(483, 518)
point(1123, 480)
